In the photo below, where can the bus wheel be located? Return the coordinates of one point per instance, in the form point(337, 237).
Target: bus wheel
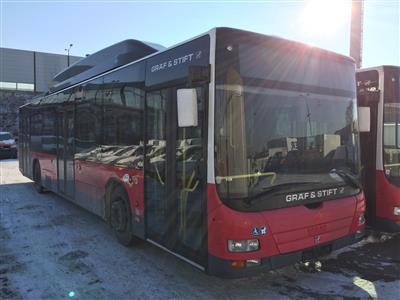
point(121, 217)
point(37, 178)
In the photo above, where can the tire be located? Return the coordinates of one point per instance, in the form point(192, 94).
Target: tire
point(121, 217)
point(37, 178)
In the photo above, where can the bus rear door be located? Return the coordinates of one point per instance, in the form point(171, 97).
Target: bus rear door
point(65, 151)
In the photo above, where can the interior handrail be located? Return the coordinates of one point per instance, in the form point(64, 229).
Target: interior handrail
point(219, 179)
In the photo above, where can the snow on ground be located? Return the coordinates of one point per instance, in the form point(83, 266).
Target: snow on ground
point(52, 249)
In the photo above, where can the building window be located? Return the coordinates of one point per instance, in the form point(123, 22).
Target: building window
point(19, 86)
point(8, 85)
point(25, 86)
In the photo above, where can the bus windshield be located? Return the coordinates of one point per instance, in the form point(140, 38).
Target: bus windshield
point(391, 125)
point(284, 118)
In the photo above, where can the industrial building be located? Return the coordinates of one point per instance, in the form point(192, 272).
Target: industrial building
point(32, 71)
point(23, 75)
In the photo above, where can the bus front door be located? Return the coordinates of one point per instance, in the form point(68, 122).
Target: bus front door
point(175, 177)
point(65, 152)
point(368, 154)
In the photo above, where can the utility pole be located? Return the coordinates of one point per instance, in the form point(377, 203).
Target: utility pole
point(68, 50)
point(356, 31)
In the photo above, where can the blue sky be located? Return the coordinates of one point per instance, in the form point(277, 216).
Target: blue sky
point(50, 26)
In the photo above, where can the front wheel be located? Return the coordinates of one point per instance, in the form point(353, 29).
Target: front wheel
point(121, 217)
point(37, 178)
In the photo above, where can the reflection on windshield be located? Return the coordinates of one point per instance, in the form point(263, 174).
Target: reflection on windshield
point(268, 137)
point(284, 116)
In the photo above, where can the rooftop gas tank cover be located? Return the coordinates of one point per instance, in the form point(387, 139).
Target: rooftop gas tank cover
point(104, 60)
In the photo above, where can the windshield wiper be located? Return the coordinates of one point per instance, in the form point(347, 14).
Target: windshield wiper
point(347, 177)
point(280, 186)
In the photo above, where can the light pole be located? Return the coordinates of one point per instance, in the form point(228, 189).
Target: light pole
point(68, 50)
point(356, 31)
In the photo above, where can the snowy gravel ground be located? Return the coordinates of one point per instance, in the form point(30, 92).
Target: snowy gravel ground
point(52, 249)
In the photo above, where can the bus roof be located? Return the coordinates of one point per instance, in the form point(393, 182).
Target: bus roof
point(329, 53)
point(71, 80)
point(380, 68)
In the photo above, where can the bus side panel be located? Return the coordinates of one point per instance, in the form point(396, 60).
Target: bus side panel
point(91, 180)
point(48, 168)
point(387, 197)
point(89, 186)
point(48, 164)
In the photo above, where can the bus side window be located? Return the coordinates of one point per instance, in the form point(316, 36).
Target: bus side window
point(123, 119)
point(88, 122)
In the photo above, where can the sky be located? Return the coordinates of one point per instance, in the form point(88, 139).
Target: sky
point(90, 25)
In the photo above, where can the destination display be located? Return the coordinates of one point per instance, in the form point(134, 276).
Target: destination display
point(174, 64)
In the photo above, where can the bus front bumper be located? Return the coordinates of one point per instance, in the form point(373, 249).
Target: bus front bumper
point(222, 267)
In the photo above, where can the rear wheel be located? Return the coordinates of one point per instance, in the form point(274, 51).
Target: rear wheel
point(37, 178)
point(121, 217)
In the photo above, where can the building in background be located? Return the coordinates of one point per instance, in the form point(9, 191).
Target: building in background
point(23, 75)
point(31, 71)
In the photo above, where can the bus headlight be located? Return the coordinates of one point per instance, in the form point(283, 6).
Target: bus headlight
point(396, 211)
point(243, 245)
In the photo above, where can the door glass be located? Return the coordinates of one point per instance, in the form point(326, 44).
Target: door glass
point(60, 152)
point(69, 153)
point(157, 205)
point(189, 181)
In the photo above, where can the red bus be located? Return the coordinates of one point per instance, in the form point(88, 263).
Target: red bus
point(235, 151)
point(378, 90)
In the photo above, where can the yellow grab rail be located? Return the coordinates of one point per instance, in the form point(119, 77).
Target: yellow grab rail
point(244, 176)
point(393, 165)
point(158, 175)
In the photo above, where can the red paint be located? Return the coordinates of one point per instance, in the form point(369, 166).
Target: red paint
point(387, 197)
point(91, 179)
point(288, 229)
point(48, 165)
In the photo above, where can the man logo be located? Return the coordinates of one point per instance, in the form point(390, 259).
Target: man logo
point(317, 239)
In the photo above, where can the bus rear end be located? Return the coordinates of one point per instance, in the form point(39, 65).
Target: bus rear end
point(284, 179)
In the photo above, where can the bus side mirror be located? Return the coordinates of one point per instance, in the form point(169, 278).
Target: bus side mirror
point(364, 119)
point(187, 107)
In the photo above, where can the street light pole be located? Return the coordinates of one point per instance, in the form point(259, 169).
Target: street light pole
point(356, 31)
point(68, 50)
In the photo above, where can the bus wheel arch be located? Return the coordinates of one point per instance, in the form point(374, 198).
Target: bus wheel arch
point(37, 176)
point(111, 185)
point(118, 212)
